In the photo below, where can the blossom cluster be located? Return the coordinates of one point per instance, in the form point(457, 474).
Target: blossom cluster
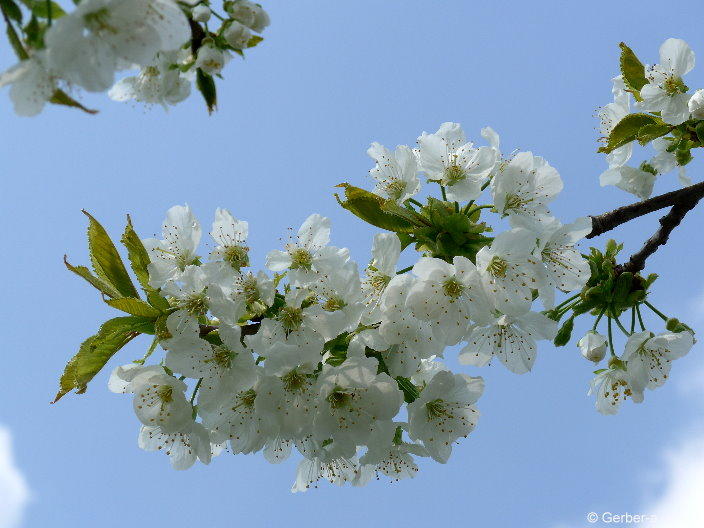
point(671, 126)
point(168, 43)
point(344, 365)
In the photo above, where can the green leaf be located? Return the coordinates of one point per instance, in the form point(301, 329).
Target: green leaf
point(11, 10)
point(377, 211)
point(206, 86)
point(106, 261)
point(95, 352)
point(96, 282)
point(650, 132)
point(699, 130)
point(59, 97)
point(134, 307)
point(410, 391)
point(41, 9)
point(157, 301)
point(627, 129)
point(16, 43)
point(632, 70)
point(137, 254)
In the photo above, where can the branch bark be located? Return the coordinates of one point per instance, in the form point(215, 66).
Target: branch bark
point(608, 221)
point(667, 224)
point(682, 201)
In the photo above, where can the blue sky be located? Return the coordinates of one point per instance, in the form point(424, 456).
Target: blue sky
point(295, 119)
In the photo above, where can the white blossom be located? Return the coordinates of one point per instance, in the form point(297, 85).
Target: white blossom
point(523, 187)
point(666, 92)
point(445, 156)
point(444, 412)
point(395, 172)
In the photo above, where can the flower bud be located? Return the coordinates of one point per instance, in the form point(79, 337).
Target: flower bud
point(201, 13)
point(248, 13)
point(261, 20)
point(237, 35)
point(696, 105)
point(593, 346)
point(211, 60)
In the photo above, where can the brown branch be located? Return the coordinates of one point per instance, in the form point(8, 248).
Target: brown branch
point(667, 223)
point(682, 201)
point(608, 221)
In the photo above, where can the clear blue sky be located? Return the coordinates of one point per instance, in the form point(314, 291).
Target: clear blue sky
point(295, 119)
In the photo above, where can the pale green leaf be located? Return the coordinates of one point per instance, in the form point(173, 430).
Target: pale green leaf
point(97, 350)
point(106, 261)
point(134, 307)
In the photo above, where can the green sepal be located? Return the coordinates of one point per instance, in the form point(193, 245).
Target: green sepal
point(254, 40)
point(97, 350)
point(59, 97)
point(106, 261)
point(627, 129)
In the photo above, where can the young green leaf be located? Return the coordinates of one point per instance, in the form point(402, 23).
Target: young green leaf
point(106, 261)
point(95, 352)
point(102, 286)
point(134, 307)
point(137, 254)
point(206, 86)
point(632, 70)
point(627, 129)
point(650, 132)
point(375, 210)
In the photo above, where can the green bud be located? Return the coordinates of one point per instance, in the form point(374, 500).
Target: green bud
point(564, 333)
